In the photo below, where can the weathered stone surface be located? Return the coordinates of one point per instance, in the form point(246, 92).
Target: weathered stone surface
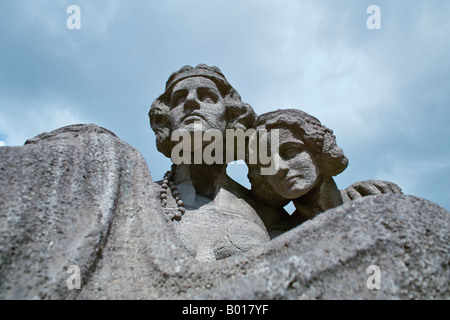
point(62, 196)
point(327, 257)
point(81, 196)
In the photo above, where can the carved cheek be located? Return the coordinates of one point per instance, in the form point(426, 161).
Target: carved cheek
point(314, 168)
point(277, 180)
point(214, 114)
point(175, 116)
point(307, 167)
point(281, 166)
point(304, 162)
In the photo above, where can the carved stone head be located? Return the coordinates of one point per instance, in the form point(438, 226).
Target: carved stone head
point(307, 151)
point(197, 94)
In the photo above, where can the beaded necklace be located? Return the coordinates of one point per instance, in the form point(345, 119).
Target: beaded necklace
point(168, 183)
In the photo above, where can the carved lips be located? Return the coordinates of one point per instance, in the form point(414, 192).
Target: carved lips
point(193, 117)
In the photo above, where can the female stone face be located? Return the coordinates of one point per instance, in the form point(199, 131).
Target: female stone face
point(298, 171)
point(197, 99)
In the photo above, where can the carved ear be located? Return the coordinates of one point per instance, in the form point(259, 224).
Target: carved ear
point(159, 121)
point(333, 159)
point(239, 115)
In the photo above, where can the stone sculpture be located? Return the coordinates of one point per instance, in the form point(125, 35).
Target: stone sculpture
point(213, 214)
point(80, 196)
point(210, 230)
point(308, 158)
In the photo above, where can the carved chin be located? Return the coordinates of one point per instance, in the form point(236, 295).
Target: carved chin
point(295, 188)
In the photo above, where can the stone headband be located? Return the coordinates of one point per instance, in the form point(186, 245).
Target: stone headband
point(202, 70)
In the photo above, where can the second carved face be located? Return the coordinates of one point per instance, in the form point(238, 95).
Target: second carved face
point(297, 171)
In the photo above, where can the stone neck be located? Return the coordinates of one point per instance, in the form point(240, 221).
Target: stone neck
point(206, 179)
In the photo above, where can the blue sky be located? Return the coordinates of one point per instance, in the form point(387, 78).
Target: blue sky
point(385, 93)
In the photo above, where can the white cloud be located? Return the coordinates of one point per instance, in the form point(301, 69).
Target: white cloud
point(2, 143)
point(20, 126)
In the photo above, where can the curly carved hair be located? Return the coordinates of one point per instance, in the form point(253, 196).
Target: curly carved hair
point(319, 140)
point(238, 114)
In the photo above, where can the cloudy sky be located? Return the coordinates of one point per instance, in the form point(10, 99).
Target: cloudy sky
point(385, 93)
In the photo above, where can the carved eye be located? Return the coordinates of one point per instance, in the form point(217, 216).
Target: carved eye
point(207, 97)
point(290, 152)
point(178, 99)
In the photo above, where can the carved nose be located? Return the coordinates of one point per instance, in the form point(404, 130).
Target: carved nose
point(191, 103)
point(283, 168)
